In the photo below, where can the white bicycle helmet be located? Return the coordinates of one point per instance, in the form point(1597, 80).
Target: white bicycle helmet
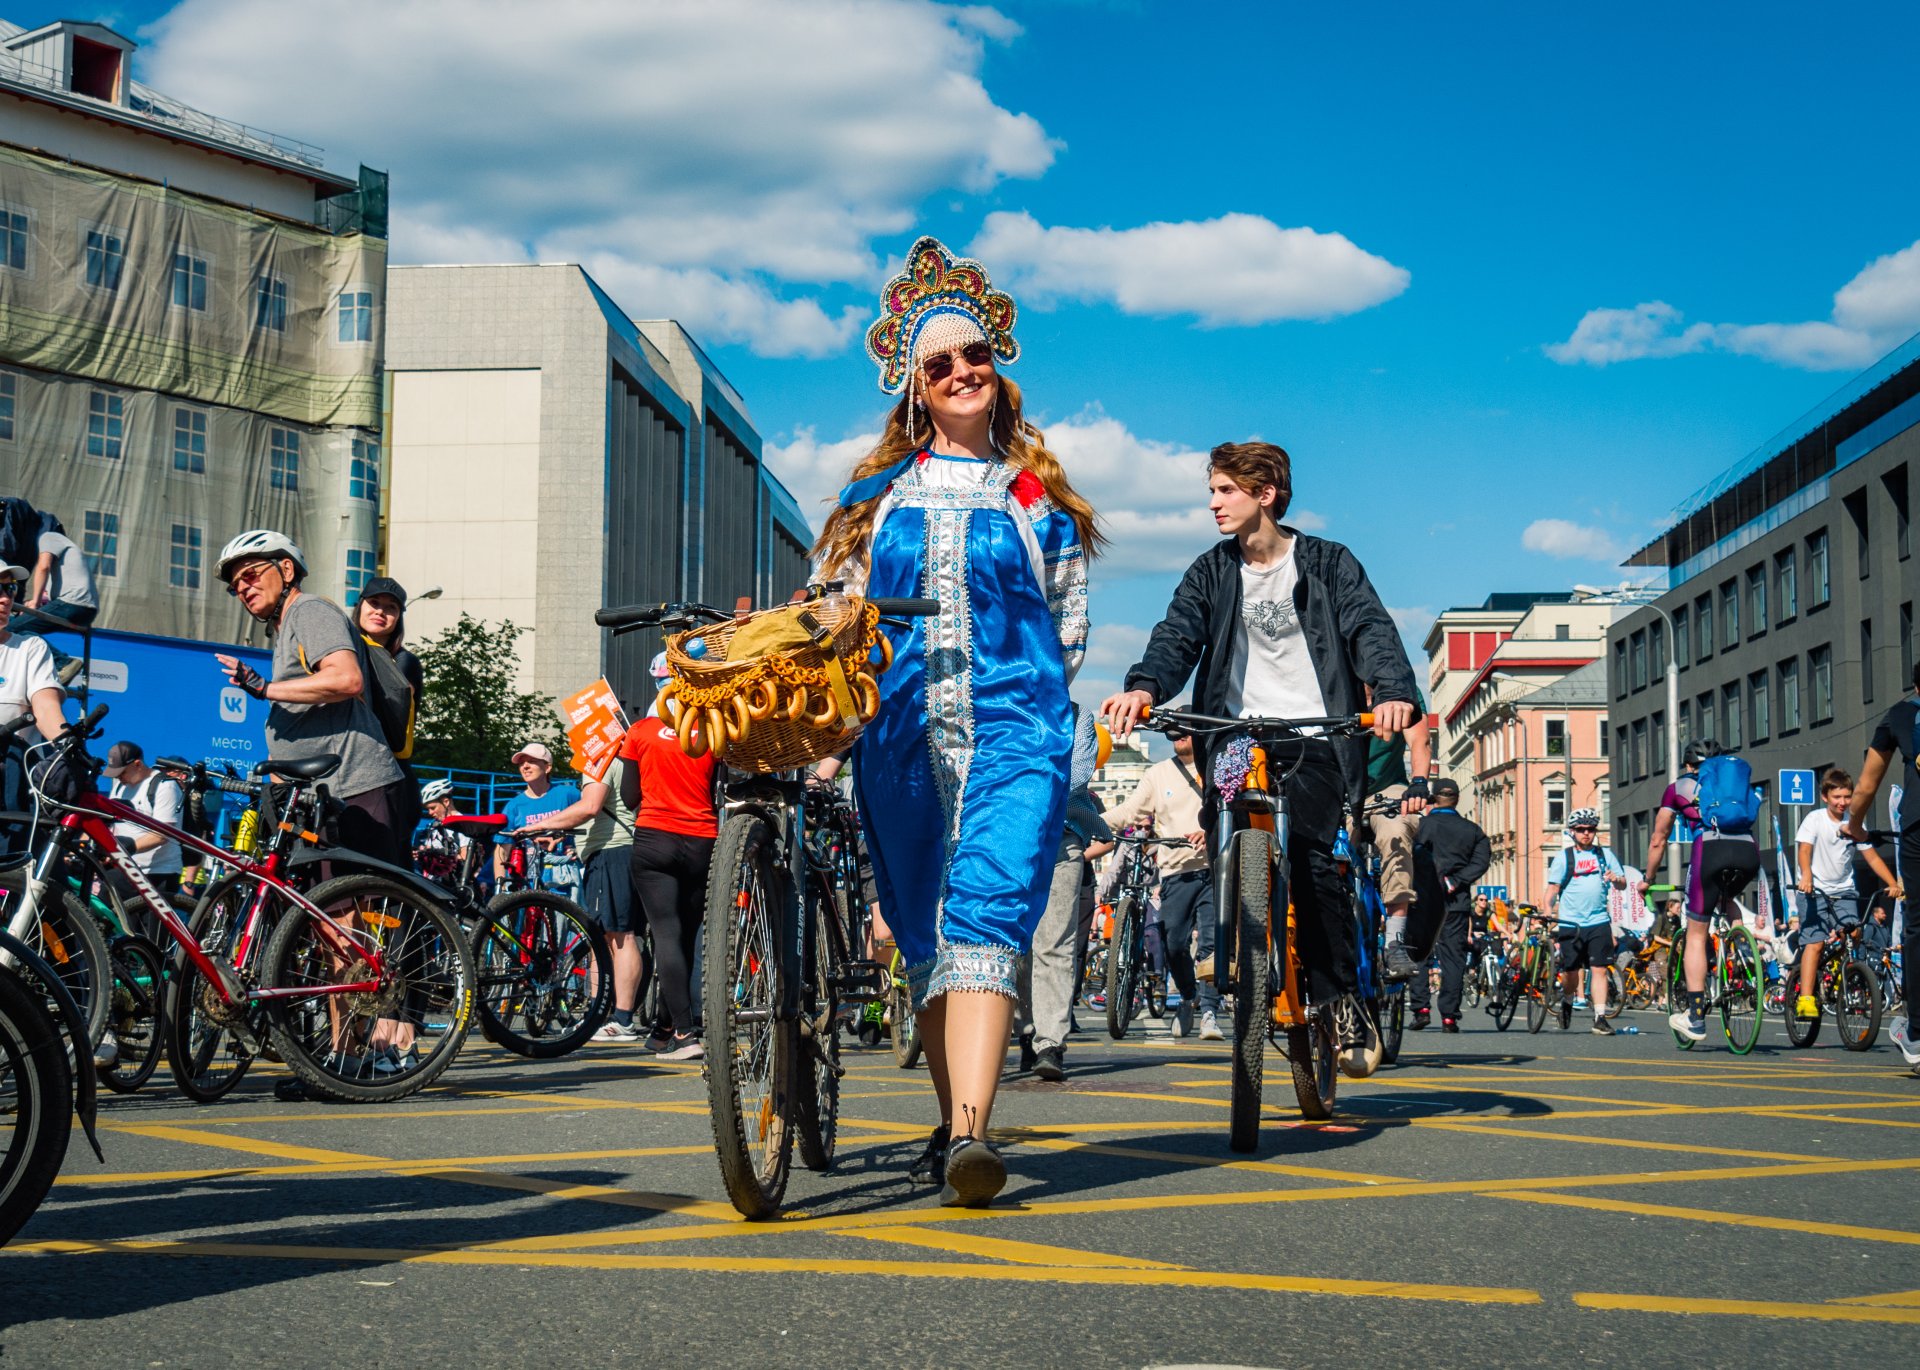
point(259, 542)
point(1584, 818)
point(436, 789)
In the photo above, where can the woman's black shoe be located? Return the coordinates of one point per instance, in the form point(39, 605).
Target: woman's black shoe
point(931, 1168)
point(975, 1173)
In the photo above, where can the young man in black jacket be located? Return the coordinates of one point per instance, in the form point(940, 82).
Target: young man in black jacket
point(1272, 622)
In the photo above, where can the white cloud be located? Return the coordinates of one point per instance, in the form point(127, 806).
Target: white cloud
point(1237, 269)
point(813, 470)
point(1875, 310)
point(1570, 541)
point(719, 149)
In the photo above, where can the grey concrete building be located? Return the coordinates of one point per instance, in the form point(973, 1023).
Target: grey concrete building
point(1791, 589)
point(550, 455)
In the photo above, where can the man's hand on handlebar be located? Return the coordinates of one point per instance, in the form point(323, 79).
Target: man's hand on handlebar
point(1124, 711)
point(1391, 716)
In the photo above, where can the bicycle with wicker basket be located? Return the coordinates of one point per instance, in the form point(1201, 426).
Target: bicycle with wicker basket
point(769, 693)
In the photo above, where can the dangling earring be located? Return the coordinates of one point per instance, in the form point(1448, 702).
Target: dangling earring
point(993, 421)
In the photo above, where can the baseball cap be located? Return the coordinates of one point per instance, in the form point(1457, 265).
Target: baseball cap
point(120, 756)
point(383, 585)
point(659, 670)
point(1444, 786)
point(18, 573)
point(534, 751)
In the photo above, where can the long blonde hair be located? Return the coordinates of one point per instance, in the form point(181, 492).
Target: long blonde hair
point(844, 542)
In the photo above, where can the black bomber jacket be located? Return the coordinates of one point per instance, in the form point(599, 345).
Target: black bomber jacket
point(1350, 635)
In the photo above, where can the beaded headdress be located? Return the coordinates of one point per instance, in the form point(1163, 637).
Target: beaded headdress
point(938, 297)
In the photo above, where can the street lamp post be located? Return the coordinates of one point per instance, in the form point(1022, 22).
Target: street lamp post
point(1639, 597)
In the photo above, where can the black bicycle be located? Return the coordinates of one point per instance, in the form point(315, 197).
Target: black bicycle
point(1126, 985)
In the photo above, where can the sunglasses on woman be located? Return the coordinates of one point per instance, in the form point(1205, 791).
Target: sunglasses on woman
point(939, 366)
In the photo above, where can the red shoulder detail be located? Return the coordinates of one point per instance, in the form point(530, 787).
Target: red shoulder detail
point(1027, 489)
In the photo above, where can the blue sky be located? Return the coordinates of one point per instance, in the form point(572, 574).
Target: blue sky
point(1496, 174)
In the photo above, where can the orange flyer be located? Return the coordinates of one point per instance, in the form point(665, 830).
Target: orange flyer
point(595, 725)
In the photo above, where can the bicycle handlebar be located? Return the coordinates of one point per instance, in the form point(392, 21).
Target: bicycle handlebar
point(14, 725)
point(628, 617)
point(1184, 721)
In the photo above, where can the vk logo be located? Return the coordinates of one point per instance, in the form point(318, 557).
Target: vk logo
point(233, 705)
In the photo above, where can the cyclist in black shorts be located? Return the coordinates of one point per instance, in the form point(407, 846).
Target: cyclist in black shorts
point(1899, 731)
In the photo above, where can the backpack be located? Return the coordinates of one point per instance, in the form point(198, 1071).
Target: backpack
point(1727, 801)
point(384, 686)
point(1601, 857)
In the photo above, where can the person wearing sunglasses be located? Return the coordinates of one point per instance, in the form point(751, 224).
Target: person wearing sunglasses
point(963, 774)
point(1577, 897)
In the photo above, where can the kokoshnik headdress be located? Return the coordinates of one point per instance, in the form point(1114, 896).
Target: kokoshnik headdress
point(939, 301)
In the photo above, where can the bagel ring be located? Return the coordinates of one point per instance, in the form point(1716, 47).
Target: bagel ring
point(886, 652)
point(693, 737)
point(762, 698)
point(716, 731)
point(796, 703)
point(739, 721)
point(823, 712)
point(869, 692)
point(671, 709)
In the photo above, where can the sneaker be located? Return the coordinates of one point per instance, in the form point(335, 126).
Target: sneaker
point(107, 1051)
point(1028, 1056)
point(1421, 1017)
point(1048, 1065)
point(1210, 1027)
point(1182, 1023)
point(389, 1063)
point(1908, 1047)
point(1580, 1001)
point(931, 1168)
point(1098, 999)
point(658, 1041)
point(686, 1048)
point(1566, 1015)
point(974, 1174)
point(1400, 963)
point(1689, 1025)
point(1807, 1008)
point(1602, 1028)
point(289, 1091)
point(611, 1031)
point(1449, 1024)
point(1348, 1024)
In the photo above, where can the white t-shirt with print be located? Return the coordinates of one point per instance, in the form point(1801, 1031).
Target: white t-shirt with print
point(26, 668)
point(1272, 673)
point(1832, 855)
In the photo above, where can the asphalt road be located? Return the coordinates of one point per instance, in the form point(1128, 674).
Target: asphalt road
point(1497, 1198)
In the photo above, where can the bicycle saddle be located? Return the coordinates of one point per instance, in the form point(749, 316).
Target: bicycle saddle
point(311, 768)
point(476, 826)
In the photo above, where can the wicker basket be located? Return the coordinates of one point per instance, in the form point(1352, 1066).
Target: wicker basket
point(828, 667)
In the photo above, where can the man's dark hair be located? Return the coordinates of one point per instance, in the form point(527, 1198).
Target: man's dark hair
point(1254, 466)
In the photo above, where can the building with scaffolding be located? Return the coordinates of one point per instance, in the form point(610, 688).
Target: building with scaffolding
point(191, 324)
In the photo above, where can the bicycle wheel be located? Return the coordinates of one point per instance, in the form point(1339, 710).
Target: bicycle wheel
point(750, 1050)
point(544, 972)
point(36, 1101)
point(1312, 1053)
point(205, 1050)
point(1393, 1026)
point(1259, 894)
point(1539, 991)
point(817, 1089)
point(1858, 1012)
point(1676, 994)
point(137, 1013)
point(67, 938)
point(902, 1025)
point(1123, 966)
point(1506, 998)
point(1616, 993)
point(1471, 988)
point(1742, 986)
point(381, 1044)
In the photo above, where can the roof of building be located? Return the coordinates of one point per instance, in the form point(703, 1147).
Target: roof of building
point(1514, 601)
point(1583, 688)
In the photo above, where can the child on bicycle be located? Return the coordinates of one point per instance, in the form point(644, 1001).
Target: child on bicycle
point(1827, 887)
point(1273, 622)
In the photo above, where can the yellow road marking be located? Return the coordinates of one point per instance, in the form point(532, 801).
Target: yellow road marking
point(1213, 1162)
point(1909, 1298)
point(1746, 1308)
point(375, 1163)
point(1710, 1215)
point(1489, 1129)
point(227, 1142)
point(999, 1249)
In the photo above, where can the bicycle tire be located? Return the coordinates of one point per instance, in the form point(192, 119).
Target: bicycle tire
point(1506, 1000)
point(1616, 994)
point(532, 955)
point(137, 1013)
point(69, 940)
point(36, 1096)
point(1471, 990)
point(1538, 1003)
point(1312, 1056)
point(817, 1090)
point(1857, 1014)
point(903, 1026)
point(206, 1057)
point(750, 1112)
point(1253, 878)
point(1743, 986)
point(1393, 1027)
point(1677, 989)
point(1123, 966)
point(426, 989)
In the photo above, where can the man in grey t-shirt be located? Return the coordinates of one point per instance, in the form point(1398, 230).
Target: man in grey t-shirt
point(62, 583)
point(317, 691)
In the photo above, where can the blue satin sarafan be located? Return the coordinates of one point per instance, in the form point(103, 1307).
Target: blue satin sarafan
point(963, 773)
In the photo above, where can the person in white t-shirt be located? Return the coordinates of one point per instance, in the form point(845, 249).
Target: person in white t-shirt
point(28, 686)
point(1826, 879)
point(156, 795)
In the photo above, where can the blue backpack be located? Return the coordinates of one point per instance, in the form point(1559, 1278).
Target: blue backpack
point(1728, 802)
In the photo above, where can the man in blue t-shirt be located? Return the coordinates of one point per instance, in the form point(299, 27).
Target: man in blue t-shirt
point(1579, 878)
point(535, 764)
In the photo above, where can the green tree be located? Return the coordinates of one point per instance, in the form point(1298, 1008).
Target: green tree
point(470, 715)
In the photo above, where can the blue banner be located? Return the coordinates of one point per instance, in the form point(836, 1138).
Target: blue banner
point(169, 695)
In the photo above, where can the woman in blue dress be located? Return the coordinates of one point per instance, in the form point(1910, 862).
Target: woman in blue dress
point(962, 775)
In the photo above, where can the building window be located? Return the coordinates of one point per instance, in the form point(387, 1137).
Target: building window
point(270, 304)
point(1620, 669)
point(1656, 650)
point(189, 282)
point(1759, 715)
point(100, 542)
point(1557, 737)
point(9, 395)
point(1639, 655)
point(1819, 582)
point(356, 316)
point(363, 471)
point(1659, 742)
point(1556, 807)
point(1789, 677)
point(1600, 736)
point(1756, 601)
point(1562, 632)
point(1730, 710)
point(1686, 721)
point(1682, 640)
point(190, 441)
point(13, 240)
point(106, 258)
point(183, 558)
point(1786, 581)
point(1622, 757)
point(1866, 661)
point(359, 568)
point(1639, 735)
point(1820, 675)
point(283, 459)
point(1895, 482)
point(1856, 507)
point(106, 425)
point(1703, 628)
point(1730, 615)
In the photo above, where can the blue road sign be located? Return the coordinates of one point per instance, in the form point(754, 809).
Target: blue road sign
point(1491, 891)
point(1796, 787)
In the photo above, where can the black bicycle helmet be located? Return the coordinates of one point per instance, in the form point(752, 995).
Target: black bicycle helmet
point(1698, 750)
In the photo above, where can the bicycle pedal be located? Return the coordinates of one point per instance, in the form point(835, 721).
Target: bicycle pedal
point(869, 981)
